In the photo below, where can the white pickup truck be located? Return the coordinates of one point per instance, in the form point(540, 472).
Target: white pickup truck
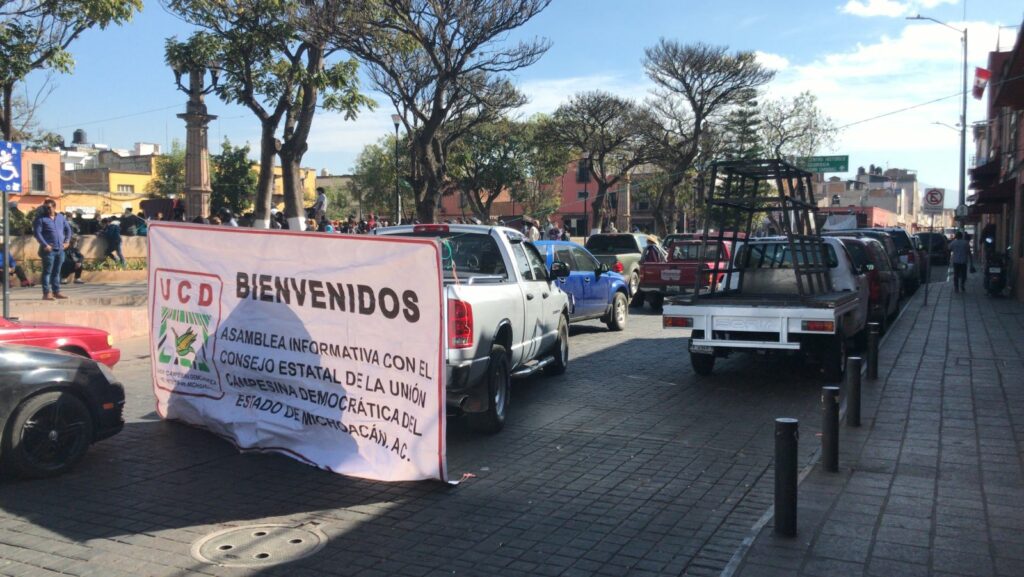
point(506, 316)
point(759, 308)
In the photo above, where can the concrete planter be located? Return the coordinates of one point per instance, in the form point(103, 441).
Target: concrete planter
point(114, 276)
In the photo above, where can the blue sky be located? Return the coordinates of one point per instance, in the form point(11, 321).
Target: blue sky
point(861, 57)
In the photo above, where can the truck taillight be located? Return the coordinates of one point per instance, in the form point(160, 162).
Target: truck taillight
point(618, 267)
point(676, 322)
point(818, 326)
point(460, 324)
point(874, 286)
point(911, 257)
point(442, 228)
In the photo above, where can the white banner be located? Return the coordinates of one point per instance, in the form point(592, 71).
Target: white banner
point(327, 348)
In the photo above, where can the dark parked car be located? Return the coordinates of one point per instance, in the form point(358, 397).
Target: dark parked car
point(911, 256)
point(887, 243)
point(594, 291)
point(53, 405)
point(936, 245)
point(870, 259)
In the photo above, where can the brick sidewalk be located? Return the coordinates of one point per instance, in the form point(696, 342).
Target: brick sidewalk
point(932, 483)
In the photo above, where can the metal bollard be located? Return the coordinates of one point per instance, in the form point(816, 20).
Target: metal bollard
point(853, 365)
point(830, 429)
point(787, 435)
point(873, 333)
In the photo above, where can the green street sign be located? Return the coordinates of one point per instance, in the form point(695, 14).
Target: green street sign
point(823, 163)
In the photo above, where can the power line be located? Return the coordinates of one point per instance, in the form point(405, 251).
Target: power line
point(77, 124)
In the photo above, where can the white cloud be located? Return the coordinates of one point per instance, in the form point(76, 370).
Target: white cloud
point(923, 63)
point(772, 61)
point(889, 8)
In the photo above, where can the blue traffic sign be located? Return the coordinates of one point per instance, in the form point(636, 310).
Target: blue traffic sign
point(10, 167)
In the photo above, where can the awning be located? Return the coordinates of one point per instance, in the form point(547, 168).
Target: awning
point(999, 193)
point(984, 175)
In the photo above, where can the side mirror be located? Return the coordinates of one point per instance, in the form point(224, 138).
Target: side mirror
point(601, 269)
point(559, 269)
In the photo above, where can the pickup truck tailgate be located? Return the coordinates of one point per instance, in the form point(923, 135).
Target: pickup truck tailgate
point(749, 327)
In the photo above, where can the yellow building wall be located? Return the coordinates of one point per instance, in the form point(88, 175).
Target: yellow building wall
point(308, 185)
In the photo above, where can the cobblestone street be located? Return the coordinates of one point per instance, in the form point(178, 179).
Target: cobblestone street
point(628, 463)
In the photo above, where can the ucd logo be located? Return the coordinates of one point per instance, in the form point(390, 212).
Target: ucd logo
point(185, 318)
point(181, 347)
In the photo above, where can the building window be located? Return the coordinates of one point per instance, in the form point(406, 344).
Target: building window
point(38, 177)
point(643, 205)
point(582, 195)
point(126, 188)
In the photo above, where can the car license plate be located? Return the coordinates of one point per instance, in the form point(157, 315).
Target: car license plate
point(995, 269)
point(702, 349)
point(672, 288)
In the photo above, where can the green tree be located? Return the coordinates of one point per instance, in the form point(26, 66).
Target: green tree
point(36, 34)
point(232, 179)
point(544, 162)
point(796, 126)
point(610, 131)
point(741, 129)
point(488, 161)
point(274, 57)
point(695, 83)
point(372, 187)
point(170, 173)
point(440, 65)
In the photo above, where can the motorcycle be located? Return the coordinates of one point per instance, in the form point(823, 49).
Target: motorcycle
point(995, 270)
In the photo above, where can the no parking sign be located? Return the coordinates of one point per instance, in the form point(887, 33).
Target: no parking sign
point(934, 201)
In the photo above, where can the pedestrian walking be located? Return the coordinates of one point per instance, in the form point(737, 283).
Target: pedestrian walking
point(112, 234)
point(52, 232)
point(960, 256)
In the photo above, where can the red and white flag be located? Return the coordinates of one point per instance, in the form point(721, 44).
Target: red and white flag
point(981, 77)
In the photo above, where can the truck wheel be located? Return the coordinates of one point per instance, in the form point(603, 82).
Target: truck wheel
point(656, 300)
point(833, 357)
point(702, 363)
point(634, 282)
point(619, 313)
point(498, 386)
point(638, 300)
point(561, 351)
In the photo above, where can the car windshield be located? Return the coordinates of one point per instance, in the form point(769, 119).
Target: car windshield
point(777, 255)
point(691, 251)
point(464, 255)
point(611, 244)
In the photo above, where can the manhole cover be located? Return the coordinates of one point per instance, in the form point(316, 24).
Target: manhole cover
point(259, 545)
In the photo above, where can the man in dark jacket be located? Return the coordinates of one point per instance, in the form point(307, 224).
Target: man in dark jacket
point(53, 234)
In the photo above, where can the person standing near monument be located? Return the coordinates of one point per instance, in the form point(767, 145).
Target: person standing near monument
point(53, 233)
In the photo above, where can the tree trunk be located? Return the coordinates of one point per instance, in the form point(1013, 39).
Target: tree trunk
point(6, 121)
point(265, 182)
point(672, 225)
point(294, 209)
point(599, 210)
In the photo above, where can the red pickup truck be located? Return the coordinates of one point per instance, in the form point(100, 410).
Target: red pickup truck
point(662, 279)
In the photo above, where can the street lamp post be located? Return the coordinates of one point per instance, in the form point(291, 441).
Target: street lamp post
point(963, 112)
point(398, 197)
